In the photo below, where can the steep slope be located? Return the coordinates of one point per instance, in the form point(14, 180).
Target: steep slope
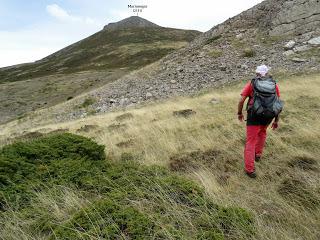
point(228, 52)
point(99, 59)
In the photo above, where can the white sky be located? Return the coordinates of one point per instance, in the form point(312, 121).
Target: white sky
point(56, 25)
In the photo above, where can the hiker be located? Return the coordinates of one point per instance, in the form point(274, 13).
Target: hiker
point(263, 107)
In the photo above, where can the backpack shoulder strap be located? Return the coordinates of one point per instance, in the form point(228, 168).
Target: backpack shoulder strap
point(271, 78)
point(253, 81)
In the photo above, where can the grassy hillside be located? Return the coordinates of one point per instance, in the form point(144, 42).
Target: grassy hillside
point(206, 145)
point(91, 63)
point(106, 50)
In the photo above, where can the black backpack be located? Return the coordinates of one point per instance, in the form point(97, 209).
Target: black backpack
point(266, 103)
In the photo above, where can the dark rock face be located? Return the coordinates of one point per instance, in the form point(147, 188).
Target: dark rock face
point(131, 22)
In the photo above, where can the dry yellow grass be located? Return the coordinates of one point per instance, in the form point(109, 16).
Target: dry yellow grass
point(154, 135)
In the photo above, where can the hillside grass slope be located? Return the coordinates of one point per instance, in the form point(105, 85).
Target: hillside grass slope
point(206, 145)
point(128, 49)
point(84, 66)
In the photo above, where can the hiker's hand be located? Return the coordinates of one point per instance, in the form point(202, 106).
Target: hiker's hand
point(240, 117)
point(274, 125)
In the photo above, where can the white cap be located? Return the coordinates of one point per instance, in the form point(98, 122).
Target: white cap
point(262, 70)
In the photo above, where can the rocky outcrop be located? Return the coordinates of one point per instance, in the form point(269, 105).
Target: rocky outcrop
point(296, 17)
point(277, 17)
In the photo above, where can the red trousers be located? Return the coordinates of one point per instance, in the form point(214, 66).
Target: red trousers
point(256, 138)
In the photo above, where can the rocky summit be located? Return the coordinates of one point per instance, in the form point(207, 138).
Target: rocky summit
point(131, 22)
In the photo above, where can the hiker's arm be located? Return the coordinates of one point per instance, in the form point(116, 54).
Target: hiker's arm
point(240, 107)
point(241, 103)
point(275, 124)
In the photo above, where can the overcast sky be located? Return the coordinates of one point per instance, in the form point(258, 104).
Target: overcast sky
point(33, 29)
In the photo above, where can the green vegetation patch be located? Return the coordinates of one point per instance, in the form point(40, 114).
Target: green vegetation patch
point(87, 102)
point(248, 53)
point(26, 166)
point(108, 220)
point(123, 200)
point(212, 39)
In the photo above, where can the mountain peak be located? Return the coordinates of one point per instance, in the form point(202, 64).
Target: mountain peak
point(130, 22)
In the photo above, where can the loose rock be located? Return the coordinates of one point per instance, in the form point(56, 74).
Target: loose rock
point(288, 53)
point(214, 101)
point(299, 60)
point(149, 95)
point(290, 45)
point(314, 41)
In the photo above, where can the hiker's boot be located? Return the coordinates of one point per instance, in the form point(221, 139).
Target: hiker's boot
point(257, 158)
point(251, 174)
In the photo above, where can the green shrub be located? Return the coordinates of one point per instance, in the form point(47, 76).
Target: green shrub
point(212, 39)
point(87, 102)
point(123, 198)
point(108, 220)
point(57, 158)
point(248, 52)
